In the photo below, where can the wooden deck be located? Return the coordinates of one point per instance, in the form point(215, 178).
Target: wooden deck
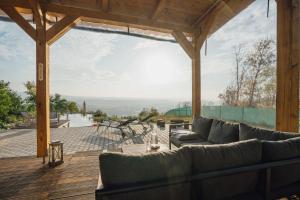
point(27, 178)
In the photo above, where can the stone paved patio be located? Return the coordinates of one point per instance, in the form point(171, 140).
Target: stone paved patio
point(22, 142)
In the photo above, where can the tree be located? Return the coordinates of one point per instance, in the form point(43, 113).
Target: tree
point(259, 65)
point(58, 105)
point(30, 100)
point(240, 71)
point(99, 116)
point(72, 107)
point(143, 113)
point(10, 105)
point(255, 76)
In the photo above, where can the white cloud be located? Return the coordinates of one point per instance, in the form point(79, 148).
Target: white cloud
point(79, 53)
point(146, 44)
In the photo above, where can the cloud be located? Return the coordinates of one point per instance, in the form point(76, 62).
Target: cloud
point(79, 54)
point(146, 44)
point(249, 26)
point(15, 43)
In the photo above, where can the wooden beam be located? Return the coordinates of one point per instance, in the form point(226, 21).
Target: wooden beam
point(42, 92)
point(204, 24)
point(288, 61)
point(15, 16)
point(105, 5)
point(184, 43)
point(37, 12)
point(159, 7)
point(60, 28)
point(199, 20)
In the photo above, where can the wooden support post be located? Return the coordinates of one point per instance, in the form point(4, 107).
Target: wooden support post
point(196, 80)
point(192, 49)
point(288, 61)
point(42, 92)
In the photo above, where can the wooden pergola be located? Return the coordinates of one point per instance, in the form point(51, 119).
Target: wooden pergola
point(190, 22)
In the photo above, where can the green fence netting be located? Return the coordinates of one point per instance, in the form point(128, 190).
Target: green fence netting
point(264, 117)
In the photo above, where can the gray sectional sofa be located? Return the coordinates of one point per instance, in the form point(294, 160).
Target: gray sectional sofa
point(216, 161)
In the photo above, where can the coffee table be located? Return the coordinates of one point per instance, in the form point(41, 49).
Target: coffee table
point(141, 148)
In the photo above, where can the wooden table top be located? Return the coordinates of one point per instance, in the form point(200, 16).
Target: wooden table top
point(142, 148)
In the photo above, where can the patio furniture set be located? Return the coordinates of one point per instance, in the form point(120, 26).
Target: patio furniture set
point(215, 160)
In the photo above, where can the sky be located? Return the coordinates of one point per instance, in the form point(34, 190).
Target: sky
point(108, 65)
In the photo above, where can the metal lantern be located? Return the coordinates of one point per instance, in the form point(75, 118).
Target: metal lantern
point(55, 153)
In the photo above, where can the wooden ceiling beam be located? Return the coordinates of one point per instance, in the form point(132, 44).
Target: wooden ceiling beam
point(14, 15)
point(184, 43)
point(108, 17)
point(60, 28)
point(37, 12)
point(159, 7)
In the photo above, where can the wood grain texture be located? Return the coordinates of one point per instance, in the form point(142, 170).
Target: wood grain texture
point(184, 43)
point(287, 99)
point(42, 93)
point(28, 178)
point(196, 79)
point(37, 12)
point(60, 28)
point(162, 15)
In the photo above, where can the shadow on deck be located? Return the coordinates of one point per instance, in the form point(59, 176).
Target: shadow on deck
point(28, 178)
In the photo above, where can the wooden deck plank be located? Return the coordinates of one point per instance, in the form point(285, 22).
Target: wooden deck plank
point(27, 178)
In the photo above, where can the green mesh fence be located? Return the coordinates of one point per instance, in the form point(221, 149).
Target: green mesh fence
point(264, 117)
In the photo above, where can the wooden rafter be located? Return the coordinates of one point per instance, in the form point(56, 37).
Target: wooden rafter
point(14, 15)
point(159, 7)
point(37, 12)
point(197, 23)
point(60, 28)
point(184, 43)
point(203, 27)
point(105, 5)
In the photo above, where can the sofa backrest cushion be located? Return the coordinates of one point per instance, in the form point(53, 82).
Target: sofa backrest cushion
point(247, 132)
point(225, 156)
point(223, 132)
point(119, 169)
point(282, 150)
point(202, 126)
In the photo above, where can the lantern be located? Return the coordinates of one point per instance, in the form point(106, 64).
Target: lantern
point(55, 153)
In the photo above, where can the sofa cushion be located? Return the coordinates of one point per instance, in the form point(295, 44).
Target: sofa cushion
point(185, 135)
point(202, 126)
point(247, 132)
point(282, 150)
point(179, 143)
point(223, 132)
point(216, 157)
point(119, 169)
